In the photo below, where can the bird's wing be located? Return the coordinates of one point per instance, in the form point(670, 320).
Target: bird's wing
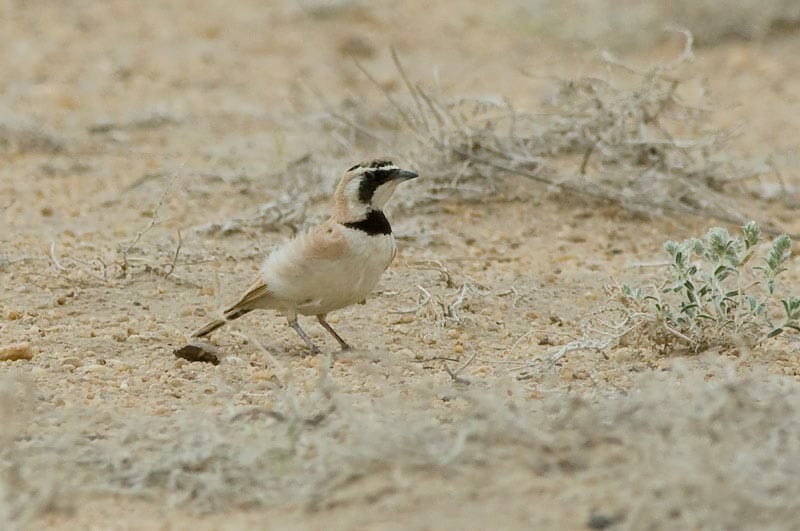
point(253, 298)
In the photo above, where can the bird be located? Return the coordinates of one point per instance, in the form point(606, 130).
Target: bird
point(334, 264)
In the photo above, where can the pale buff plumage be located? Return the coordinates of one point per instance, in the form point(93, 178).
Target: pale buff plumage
point(333, 265)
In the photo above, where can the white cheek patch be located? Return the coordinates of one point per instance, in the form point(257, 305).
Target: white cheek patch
point(351, 190)
point(357, 208)
point(383, 193)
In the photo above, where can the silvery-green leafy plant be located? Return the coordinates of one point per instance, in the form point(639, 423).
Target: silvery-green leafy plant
point(722, 290)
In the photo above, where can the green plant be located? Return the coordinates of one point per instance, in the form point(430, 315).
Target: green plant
point(715, 295)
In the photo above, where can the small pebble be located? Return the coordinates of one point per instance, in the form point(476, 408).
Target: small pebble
point(72, 362)
point(202, 352)
point(17, 351)
point(262, 375)
point(600, 521)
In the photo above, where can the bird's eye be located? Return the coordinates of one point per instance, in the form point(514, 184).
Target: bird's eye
point(354, 167)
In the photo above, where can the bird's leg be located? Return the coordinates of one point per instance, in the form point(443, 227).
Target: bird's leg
point(296, 326)
point(329, 328)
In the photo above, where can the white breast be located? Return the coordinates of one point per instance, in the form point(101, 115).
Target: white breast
point(320, 286)
point(370, 257)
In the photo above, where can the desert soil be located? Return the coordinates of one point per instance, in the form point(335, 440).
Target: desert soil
point(129, 131)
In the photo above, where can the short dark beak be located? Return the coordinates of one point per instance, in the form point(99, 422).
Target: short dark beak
point(404, 175)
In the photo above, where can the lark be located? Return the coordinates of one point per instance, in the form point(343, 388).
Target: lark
point(333, 265)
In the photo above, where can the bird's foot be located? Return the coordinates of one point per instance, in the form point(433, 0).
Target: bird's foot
point(314, 349)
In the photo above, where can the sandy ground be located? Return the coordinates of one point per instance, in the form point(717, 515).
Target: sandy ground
point(129, 132)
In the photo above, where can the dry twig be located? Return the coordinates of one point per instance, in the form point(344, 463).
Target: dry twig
point(171, 267)
point(454, 374)
point(153, 221)
point(54, 258)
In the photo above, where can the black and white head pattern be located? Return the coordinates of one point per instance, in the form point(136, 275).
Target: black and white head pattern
point(376, 182)
point(370, 189)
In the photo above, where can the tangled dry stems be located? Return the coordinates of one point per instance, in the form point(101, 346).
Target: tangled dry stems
point(630, 138)
point(742, 431)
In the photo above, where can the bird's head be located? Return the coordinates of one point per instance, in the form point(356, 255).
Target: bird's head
point(367, 186)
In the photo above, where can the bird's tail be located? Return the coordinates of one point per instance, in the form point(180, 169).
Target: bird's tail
point(252, 299)
point(213, 325)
